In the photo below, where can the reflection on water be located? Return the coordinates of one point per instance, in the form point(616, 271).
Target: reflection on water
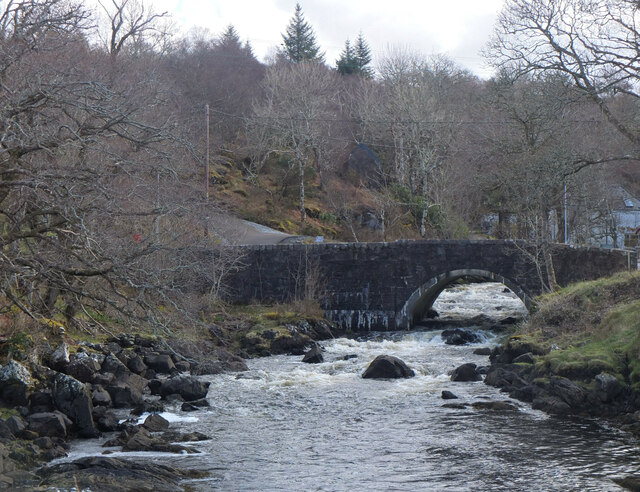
point(285, 425)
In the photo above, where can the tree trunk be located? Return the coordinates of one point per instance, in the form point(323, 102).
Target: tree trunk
point(303, 213)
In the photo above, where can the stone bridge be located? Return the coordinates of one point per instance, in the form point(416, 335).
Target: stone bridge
point(389, 286)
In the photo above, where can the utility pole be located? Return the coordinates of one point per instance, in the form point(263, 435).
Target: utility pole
point(206, 177)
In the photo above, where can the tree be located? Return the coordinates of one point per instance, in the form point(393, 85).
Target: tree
point(412, 118)
point(294, 119)
point(595, 44)
point(354, 59)
point(299, 41)
point(346, 64)
point(94, 181)
point(130, 22)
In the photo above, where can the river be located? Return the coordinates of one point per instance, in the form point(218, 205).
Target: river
point(285, 425)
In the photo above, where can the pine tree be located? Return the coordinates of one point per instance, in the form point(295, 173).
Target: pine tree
point(363, 56)
point(354, 59)
point(299, 42)
point(230, 42)
point(230, 38)
point(346, 64)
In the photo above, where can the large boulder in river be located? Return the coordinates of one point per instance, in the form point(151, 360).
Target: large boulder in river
point(387, 367)
point(74, 399)
point(15, 383)
point(188, 387)
point(313, 356)
point(458, 336)
point(466, 372)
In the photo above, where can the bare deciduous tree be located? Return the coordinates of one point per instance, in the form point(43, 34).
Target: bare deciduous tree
point(295, 117)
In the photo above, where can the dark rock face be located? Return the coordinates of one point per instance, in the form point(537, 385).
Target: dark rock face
point(41, 401)
point(387, 367)
point(136, 365)
point(113, 365)
point(48, 424)
point(161, 363)
point(115, 475)
point(73, 398)
point(466, 372)
point(313, 356)
point(59, 358)
point(15, 383)
point(448, 395)
point(100, 397)
point(126, 389)
point(155, 423)
point(83, 368)
point(458, 336)
point(16, 425)
point(607, 387)
point(188, 387)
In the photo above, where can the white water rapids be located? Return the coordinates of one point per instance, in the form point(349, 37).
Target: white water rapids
point(286, 425)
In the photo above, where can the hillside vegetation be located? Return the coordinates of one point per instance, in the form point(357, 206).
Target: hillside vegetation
point(590, 327)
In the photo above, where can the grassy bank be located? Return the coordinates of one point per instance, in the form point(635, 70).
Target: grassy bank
point(590, 327)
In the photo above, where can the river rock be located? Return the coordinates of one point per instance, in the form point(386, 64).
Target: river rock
point(136, 365)
point(568, 391)
point(551, 404)
point(482, 351)
point(515, 347)
point(161, 363)
point(458, 336)
point(448, 395)
point(5, 430)
point(59, 358)
point(16, 424)
point(607, 387)
point(524, 359)
point(105, 420)
point(100, 397)
point(388, 367)
point(114, 475)
point(41, 401)
point(113, 365)
point(631, 482)
point(466, 372)
point(155, 423)
point(73, 398)
point(48, 424)
point(126, 389)
point(313, 356)
point(15, 383)
point(83, 368)
point(182, 366)
point(188, 387)
point(496, 406)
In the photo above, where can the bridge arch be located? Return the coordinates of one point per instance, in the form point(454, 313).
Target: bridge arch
point(424, 296)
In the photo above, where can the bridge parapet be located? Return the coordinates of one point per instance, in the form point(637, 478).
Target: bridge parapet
point(387, 286)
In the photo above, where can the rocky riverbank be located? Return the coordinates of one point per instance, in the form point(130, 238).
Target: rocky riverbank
point(81, 390)
point(578, 354)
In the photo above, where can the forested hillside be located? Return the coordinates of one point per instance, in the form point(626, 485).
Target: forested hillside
point(103, 146)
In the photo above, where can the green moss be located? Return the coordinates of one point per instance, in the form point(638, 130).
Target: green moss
point(595, 327)
point(5, 413)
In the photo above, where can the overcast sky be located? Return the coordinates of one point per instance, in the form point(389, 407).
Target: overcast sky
point(459, 29)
